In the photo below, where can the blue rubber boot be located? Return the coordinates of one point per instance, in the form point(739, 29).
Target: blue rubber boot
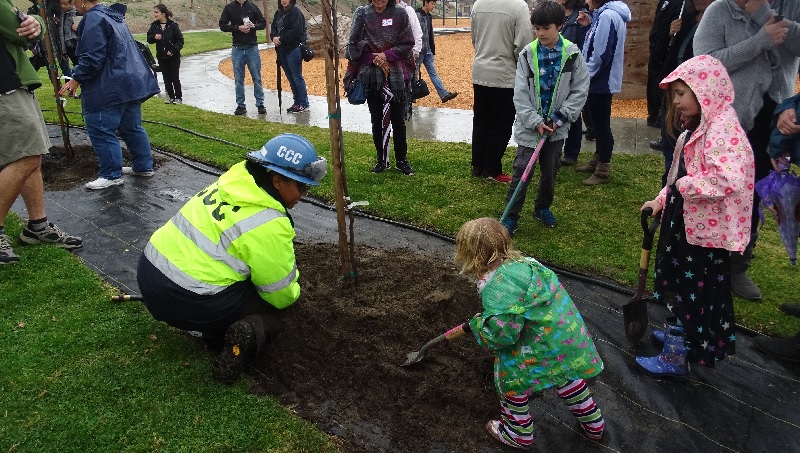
point(671, 362)
point(669, 324)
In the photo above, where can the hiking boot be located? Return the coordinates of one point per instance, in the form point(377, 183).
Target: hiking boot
point(791, 308)
point(240, 347)
point(743, 286)
point(103, 183)
point(780, 348)
point(545, 216)
point(130, 171)
point(404, 167)
point(449, 96)
point(7, 255)
point(261, 110)
point(240, 111)
point(501, 178)
point(51, 234)
point(590, 166)
point(511, 225)
point(601, 175)
point(380, 167)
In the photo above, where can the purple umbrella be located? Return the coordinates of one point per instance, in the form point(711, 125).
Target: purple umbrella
point(780, 193)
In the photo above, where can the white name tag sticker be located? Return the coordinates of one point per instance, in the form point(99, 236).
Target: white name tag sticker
point(386, 22)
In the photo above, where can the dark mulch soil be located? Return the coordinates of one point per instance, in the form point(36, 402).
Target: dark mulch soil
point(337, 360)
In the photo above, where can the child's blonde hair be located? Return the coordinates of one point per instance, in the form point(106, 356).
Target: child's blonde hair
point(481, 242)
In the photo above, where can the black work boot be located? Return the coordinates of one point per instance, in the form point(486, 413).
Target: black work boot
point(780, 348)
point(239, 349)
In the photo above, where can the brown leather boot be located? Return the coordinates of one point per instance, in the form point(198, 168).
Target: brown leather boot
point(601, 175)
point(590, 166)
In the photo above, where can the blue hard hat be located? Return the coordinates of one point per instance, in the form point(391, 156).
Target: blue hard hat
point(292, 156)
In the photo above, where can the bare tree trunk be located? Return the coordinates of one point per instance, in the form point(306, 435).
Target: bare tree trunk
point(331, 53)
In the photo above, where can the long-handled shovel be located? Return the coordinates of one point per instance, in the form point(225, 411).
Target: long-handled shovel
point(452, 334)
point(634, 313)
point(525, 176)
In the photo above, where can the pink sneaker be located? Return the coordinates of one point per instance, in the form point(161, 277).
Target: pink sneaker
point(502, 178)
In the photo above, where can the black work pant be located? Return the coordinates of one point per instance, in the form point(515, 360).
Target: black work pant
point(492, 123)
point(170, 69)
point(211, 314)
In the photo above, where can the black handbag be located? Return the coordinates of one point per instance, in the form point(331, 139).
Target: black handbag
point(356, 93)
point(419, 89)
point(306, 52)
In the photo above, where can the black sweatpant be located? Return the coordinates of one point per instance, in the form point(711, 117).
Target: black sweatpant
point(170, 70)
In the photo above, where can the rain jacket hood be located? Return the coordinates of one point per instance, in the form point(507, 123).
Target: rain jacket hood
point(711, 85)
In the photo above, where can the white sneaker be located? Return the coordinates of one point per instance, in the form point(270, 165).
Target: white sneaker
point(129, 171)
point(103, 183)
point(178, 101)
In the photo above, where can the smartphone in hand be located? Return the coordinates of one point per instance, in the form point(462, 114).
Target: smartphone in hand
point(20, 15)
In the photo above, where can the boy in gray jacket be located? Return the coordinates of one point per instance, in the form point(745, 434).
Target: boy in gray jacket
point(550, 88)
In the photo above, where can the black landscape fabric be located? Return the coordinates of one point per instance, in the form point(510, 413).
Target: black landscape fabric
point(748, 403)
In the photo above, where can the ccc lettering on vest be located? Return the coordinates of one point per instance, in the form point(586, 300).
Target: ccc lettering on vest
point(290, 155)
point(209, 201)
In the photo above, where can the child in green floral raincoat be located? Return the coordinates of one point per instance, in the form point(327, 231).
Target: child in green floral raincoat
point(537, 335)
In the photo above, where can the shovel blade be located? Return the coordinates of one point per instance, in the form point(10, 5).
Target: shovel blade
point(634, 315)
point(413, 357)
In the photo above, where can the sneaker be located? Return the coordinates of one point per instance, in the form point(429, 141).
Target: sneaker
point(511, 225)
point(7, 255)
point(103, 183)
point(261, 110)
point(240, 111)
point(169, 101)
point(51, 234)
point(545, 216)
point(502, 178)
point(240, 347)
point(130, 171)
point(568, 161)
point(178, 101)
point(296, 109)
point(449, 96)
point(404, 167)
point(380, 167)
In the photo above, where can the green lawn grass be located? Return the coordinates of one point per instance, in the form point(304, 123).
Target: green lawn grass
point(82, 374)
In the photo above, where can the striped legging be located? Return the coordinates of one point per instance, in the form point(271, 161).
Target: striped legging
point(516, 424)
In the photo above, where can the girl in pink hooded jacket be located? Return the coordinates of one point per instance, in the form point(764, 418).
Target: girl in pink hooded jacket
point(707, 208)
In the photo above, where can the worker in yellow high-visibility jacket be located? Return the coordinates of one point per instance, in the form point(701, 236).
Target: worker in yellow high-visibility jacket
point(224, 265)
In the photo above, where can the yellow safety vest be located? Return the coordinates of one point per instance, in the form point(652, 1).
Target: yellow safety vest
point(230, 231)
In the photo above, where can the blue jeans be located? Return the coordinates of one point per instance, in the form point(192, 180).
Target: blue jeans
point(247, 55)
point(292, 65)
point(126, 119)
point(427, 60)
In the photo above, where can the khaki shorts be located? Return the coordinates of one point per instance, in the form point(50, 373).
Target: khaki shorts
point(22, 127)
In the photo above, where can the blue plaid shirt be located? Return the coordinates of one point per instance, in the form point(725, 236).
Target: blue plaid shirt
point(549, 68)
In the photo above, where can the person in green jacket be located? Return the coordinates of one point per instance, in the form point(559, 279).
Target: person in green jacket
point(537, 334)
point(223, 267)
point(24, 134)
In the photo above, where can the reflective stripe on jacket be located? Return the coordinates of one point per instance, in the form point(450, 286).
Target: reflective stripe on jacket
point(231, 231)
